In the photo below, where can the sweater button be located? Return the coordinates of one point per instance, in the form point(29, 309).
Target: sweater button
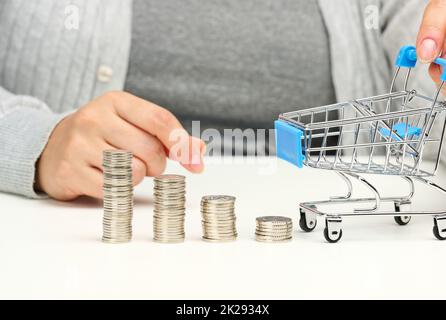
point(105, 73)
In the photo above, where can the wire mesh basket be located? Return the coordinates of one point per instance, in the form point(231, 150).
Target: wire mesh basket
point(386, 135)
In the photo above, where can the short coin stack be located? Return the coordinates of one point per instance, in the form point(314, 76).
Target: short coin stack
point(170, 205)
point(219, 221)
point(118, 196)
point(274, 229)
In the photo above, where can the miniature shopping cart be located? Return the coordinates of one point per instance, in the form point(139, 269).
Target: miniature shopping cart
point(390, 134)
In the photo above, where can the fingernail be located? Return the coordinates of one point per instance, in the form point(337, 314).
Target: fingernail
point(427, 50)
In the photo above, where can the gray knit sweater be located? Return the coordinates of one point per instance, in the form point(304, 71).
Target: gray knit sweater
point(48, 70)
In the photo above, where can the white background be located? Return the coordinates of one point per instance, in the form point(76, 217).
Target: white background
point(50, 249)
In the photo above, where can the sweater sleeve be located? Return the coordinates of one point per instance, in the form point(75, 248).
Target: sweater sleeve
point(25, 126)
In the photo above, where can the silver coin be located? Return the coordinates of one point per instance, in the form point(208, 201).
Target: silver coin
point(117, 154)
point(274, 241)
point(168, 241)
point(169, 208)
point(220, 236)
point(116, 225)
point(167, 225)
point(218, 222)
point(125, 234)
point(220, 231)
point(276, 235)
point(169, 222)
point(274, 229)
point(178, 234)
point(117, 196)
point(118, 199)
point(170, 178)
point(284, 235)
point(116, 222)
point(168, 228)
point(117, 233)
point(169, 217)
point(218, 212)
point(118, 210)
point(273, 219)
point(113, 241)
point(208, 224)
point(219, 240)
point(218, 218)
point(160, 185)
point(218, 198)
point(216, 203)
point(215, 227)
point(273, 238)
point(281, 229)
point(167, 235)
point(117, 237)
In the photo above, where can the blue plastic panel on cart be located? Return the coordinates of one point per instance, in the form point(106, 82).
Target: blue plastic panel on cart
point(407, 58)
point(289, 143)
point(442, 62)
point(400, 129)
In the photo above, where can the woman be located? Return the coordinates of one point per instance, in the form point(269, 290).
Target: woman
point(64, 66)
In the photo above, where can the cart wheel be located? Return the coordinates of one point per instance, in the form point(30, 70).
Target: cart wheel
point(305, 225)
point(332, 238)
point(437, 233)
point(404, 220)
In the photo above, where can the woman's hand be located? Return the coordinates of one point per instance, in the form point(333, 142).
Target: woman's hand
point(431, 42)
point(70, 165)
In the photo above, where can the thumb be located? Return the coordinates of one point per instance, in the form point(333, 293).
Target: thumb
point(432, 34)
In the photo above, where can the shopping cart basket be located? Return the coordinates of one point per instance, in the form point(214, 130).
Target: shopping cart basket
point(382, 135)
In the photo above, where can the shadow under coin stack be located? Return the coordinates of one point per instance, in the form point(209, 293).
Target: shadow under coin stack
point(219, 221)
point(274, 229)
point(170, 205)
point(118, 196)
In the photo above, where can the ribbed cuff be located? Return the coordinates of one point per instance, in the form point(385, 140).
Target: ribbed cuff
point(24, 133)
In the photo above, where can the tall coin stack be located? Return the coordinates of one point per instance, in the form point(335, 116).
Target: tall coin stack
point(118, 196)
point(170, 205)
point(219, 221)
point(274, 229)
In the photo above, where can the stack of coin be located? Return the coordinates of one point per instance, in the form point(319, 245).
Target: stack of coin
point(170, 205)
point(219, 221)
point(118, 196)
point(274, 229)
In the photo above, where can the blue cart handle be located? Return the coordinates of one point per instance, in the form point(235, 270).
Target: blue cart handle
point(407, 58)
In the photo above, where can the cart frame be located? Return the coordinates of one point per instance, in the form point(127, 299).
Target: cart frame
point(381, 135)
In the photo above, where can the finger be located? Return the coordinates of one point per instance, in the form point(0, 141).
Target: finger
point(196, 165)
point(123, 135)
point(158, 122)
point(95, 155)
point(435, 72)
point(139, 170)
point(90, 183)
point(432, 34)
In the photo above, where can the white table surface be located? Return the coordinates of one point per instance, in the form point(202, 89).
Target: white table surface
point(50, 249)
